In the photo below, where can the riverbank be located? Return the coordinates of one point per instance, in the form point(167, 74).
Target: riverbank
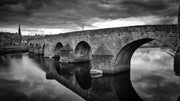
point(12, 49)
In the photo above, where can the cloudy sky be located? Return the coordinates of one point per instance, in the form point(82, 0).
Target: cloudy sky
point(58, 16)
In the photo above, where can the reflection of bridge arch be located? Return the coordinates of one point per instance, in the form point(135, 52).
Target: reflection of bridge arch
point(123, 58)
point(116, 88)
point(83, 49)
point(124, 88)
point(57, 48)
point(82, 74)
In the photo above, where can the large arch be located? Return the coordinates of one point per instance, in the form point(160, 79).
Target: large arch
point(57, 48)
point(82, 50)
point(123, 58)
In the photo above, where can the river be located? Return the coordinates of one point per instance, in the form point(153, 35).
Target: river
point(151, 78)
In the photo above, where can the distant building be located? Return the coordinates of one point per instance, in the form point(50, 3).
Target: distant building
point(5, 38)
point(24, 40)
point(10, 39)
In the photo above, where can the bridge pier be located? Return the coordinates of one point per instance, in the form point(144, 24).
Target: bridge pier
point(41, 51)
point(66, 54)
point(102, 59)
point(36, 51)
point(48, 51)
point(31, 50)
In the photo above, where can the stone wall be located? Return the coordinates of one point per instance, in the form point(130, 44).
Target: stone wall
point(113, 39)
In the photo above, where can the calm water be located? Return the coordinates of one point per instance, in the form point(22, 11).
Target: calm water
point(22, 78)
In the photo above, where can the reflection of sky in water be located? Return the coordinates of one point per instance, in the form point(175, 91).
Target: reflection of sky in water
point(24, 81)
point(153, 77)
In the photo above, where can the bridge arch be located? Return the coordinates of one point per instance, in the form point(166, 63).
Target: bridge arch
point(123, 59)
point(82, 50)
point(30, 44)
point(38, 45)
point(31, 47)
point(57, 48)
point(82, 74)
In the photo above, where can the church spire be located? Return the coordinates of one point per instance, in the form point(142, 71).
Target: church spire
point(19, 30)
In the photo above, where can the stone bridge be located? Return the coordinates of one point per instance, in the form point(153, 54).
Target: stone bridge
point(110, 43)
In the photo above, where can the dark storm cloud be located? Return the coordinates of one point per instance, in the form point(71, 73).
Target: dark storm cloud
point(131, 8)
point(13, 9)
point(161, 8)
point(75, 13)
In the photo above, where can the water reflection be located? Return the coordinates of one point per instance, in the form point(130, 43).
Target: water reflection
point(124, 88)
point(178, 99)
point(116, 88)
point(4, 61)
point(177, 62)
point(82, 74)
point(24, 80)
point(151, 79)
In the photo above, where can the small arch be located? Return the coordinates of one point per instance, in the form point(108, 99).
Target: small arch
point(83, 50)
point(123, 58)
point(57, 48)
point(31, 45)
